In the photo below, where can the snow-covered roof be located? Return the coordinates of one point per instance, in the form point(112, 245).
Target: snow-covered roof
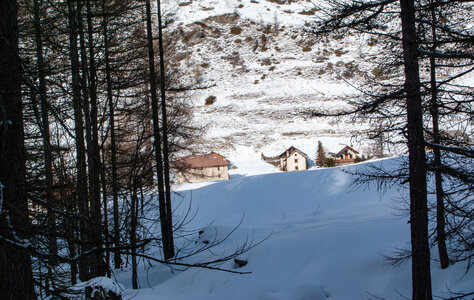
point(290, 151)
point(201, 161)
point(345, 150)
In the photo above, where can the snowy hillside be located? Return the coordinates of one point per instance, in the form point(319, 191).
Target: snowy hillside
point(266, 73)
point(321, 239)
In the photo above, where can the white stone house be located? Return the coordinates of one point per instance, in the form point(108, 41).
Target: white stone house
point(197, 168)
point(293, 160)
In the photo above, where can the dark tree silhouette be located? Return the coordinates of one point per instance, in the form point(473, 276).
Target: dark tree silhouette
point(16, 279)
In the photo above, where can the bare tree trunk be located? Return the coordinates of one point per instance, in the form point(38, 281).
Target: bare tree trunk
point(106, 214)
point(157, 136)
point(45, 132)
point(82, 194)
point(71, 206)
point(169, 251)
point(421, 278)
point(440, 221)
point(100, 268)
point(113, 147)
point(16, 279)
point(85, 96)
point(72, 249)
point(133, 233)
point(88, 135)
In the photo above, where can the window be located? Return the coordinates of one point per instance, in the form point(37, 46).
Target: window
point(296, 160)
point(218, 168)
point(296, 168)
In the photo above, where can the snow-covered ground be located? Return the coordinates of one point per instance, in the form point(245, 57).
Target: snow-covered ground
point(320, 239)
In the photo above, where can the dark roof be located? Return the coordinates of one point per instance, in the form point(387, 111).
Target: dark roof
point(345, 149)
point(201, 161)
point(290, 151)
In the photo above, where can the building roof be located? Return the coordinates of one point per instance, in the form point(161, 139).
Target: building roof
point(201, 161)
point(290, 151)
point(345, 149)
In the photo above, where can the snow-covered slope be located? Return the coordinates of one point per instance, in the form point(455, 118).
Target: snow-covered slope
point(266, 73)
point(321, 239)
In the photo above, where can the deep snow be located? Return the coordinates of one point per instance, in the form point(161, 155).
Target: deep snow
point(322, 239)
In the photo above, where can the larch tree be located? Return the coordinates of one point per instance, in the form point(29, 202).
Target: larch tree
point(368, 16)
point(445, 49)
point(421, 275)
point(165, 219)
point(82, 186)
point(168, 236)
point(16, 279)
point(45, 131)
point(113, 148)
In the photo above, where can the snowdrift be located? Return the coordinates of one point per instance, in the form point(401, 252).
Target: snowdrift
point(322, 238)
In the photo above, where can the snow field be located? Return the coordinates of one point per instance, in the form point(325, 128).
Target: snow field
point(320, 239)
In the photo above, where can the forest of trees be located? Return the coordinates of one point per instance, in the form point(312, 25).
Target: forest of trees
point(92, 110)
point(83, 113)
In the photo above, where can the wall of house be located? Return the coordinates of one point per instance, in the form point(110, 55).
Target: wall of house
point(343, 162)
point(346, 159)
point(296, 162)
point(349, 155)
point(202, 174)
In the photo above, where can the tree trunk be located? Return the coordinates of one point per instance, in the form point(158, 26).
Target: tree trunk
point(45, 132)
point(113, 148)
point(106, 214)
point(69, 203)
point(157, 136)
point(82, 194)
point(16, 279)
point(169, 251)
point(421, 278)
point(133, 234)
point(100, 268)
point(440, 222)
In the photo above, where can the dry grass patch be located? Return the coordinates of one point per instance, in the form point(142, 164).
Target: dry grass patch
point(185, 3)
point(235, 30)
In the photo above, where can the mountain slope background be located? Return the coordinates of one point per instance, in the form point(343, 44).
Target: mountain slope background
point(265, 72)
